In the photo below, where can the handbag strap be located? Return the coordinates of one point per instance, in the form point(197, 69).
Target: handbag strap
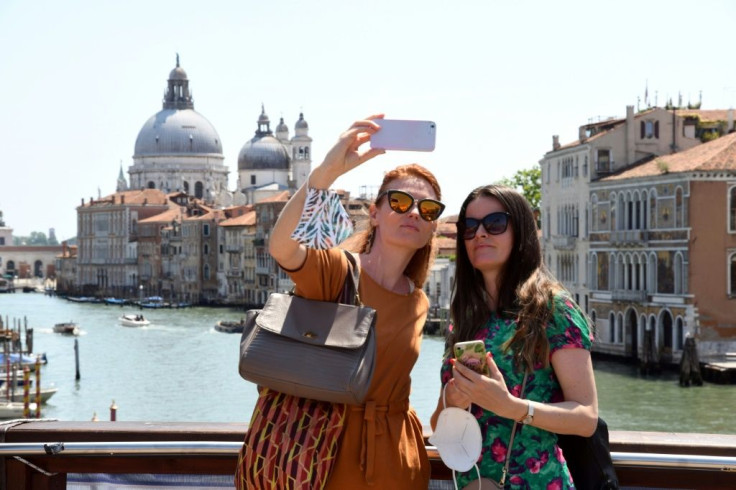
point(511, 439)
point(350, 294)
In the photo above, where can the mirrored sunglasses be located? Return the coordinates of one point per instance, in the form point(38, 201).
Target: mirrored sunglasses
point(402, 202)
point(494, 223)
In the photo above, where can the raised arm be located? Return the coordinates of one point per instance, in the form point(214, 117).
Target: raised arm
point(343, 157)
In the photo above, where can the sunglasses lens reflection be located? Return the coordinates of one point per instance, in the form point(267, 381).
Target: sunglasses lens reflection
point(400, 201)
point(495, 223)
point(430, 210)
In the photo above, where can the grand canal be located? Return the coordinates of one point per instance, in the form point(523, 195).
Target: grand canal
point(180, 369)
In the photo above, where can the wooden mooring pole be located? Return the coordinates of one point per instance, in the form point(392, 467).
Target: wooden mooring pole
point(76, 358)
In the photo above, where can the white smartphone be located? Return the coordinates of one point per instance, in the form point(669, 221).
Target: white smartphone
point(404, 134)
point(473, 355)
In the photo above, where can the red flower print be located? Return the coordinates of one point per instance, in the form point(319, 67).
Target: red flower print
point(555, 484)
point(498, 451)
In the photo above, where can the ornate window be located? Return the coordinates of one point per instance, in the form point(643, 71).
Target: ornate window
point(732, 209)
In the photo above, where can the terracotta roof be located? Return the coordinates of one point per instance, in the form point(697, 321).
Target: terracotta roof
point(705, 114)
point(235, 211)
point(719, 154)
point(137, 197)
point(247, 219)
point(174, 213)
point(282, 196)
point(445, 245)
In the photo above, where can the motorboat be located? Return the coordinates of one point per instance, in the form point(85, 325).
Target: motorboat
point(66, 328)
point(14, 410)
point(45, 393)
point(230, 327)
point(23, 359)
point(134, 321)
point(154, 302)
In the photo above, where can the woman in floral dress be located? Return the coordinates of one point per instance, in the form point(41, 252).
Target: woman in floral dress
point(505, 296)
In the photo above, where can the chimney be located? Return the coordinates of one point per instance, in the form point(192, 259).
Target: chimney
point(582, 133)
point(730, 121)
point(630, 135)
point(555, 141)
point(82, 201)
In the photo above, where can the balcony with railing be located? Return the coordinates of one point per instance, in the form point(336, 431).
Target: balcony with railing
point(629, 295)
point(564, 242)
point(630, 237)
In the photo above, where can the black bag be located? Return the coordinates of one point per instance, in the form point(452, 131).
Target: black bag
point(589, 459)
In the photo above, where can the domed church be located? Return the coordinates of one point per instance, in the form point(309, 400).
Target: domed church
point(270, 162)
point(178, 149)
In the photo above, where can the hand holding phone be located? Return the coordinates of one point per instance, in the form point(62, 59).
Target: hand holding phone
point(403, 134)
point(472, 354)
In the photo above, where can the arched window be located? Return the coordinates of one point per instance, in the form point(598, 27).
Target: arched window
point(732, 209)
point(731, 279)
point(678, 273)
point(679, 333)
point(151, 184)
point(186, 187)
point(611, 327)
point(679, 209)
point(206, 272)
point(199, 190)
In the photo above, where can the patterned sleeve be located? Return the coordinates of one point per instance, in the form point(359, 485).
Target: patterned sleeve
point(324, 223)
point(569, 327)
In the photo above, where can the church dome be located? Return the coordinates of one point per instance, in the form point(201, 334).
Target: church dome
point(301, 123)
point(178, 73)
point(176, 132)
point(263, 153)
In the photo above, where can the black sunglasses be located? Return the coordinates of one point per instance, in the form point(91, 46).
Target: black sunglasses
point(401, 202)
point(494, 223)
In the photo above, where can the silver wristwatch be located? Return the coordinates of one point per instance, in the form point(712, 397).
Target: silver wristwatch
point(529, 417)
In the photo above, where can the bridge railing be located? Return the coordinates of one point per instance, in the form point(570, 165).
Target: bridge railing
point(41, 454)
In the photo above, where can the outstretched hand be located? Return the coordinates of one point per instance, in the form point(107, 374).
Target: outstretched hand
point(346, 154)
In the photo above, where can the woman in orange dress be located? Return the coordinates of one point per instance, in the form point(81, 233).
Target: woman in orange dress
point(381, 444)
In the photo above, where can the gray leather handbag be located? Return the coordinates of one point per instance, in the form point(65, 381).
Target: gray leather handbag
point(321, 350)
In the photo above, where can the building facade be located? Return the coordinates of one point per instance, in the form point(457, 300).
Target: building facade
point(601, 239)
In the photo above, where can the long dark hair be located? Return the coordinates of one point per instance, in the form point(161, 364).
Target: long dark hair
point(361, 241)
point(526, 288)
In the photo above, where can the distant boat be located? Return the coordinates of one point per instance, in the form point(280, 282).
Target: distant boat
point(14, 410)
point(66, 328)
point(230, 327)
point(25, 359)
point(134, 321)
point(154, 302)
point(46, 393)
point(115, 301)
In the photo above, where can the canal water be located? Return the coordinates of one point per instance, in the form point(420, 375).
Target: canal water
point(181, 369)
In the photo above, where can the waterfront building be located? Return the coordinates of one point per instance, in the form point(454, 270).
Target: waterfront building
point(663, 254)
point(270, 163)
point(178, 149)
point(25, 261)
point(66, 267)
point(569, 174)
point(269, 277)
point(107, 238)
point(237, 235)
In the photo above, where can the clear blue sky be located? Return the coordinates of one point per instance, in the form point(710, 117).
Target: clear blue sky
point(79, 78)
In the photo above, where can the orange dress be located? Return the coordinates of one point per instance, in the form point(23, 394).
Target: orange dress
point(382, 446)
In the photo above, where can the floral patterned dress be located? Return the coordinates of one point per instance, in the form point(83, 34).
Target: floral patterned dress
point(536, 460)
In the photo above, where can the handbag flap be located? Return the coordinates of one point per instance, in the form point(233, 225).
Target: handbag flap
point(316, 322)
